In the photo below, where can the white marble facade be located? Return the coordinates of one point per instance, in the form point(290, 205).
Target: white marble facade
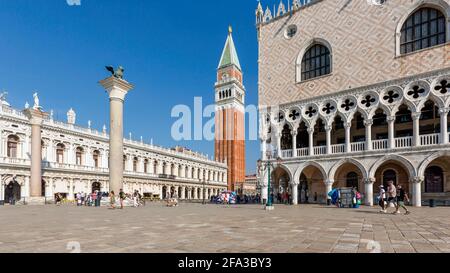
point(75, 159)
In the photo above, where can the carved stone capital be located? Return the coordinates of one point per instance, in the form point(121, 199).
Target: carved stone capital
point(368, 122)
point(310, 130)
point(417, 180)
point(347, 125)
point(444, 111)
point(390, 119)
point(416, 115)
point(369, 181)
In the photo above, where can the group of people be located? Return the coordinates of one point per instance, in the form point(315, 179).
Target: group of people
point(84, 199)
point(393, 195)
point(136, 197)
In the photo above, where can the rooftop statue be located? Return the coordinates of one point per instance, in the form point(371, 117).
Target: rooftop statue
point(36, 102)
point(118, 73)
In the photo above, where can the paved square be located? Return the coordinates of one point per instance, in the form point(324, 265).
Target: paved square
point(211, 229)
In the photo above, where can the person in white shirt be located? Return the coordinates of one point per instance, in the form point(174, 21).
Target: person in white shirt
point(382, 198)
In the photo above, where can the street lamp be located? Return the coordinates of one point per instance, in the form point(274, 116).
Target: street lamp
point(263, 166)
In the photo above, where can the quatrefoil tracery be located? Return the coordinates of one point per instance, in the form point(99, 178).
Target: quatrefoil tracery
point(443, 87)
point(416, 92)
point(391, 97)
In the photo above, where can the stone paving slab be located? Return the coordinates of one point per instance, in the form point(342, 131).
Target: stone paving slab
point(222, 229)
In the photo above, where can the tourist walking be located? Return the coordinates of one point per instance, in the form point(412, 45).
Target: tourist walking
point(78, 198)
point(112, 200)
point(392, 195)
point(135, 199)
point(122, 197)
point(382, 199)
point(401, 198)
point(94, 198)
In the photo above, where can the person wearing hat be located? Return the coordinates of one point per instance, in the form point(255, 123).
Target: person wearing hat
point(382, 198)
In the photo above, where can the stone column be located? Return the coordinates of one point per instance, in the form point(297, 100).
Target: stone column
point(117, 90)
point(49, 193)
point(294, 142)
point(328, 132)
point(444, 125)
point(391, 130)
point(416, 129)
point(183, 193)
point(348, 145)
point(279, 152)
point(294, 194)
point(71, 195)
point(417, 191)
point(36, 117)
point(329, 188)
point(368, 184)
point(195, 194)
point(263, 149)
point(368, 123)
point(26, 188)
point(311, 141)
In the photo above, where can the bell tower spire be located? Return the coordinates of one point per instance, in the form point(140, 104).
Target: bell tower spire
point(230, 113)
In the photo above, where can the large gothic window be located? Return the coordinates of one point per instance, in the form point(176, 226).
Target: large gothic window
point(316, 62)
point(425, 28)
point(13, 143)
point(286, 138)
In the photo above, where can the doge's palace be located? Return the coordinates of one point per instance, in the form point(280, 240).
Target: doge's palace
point(355, 94)
point(75, 159)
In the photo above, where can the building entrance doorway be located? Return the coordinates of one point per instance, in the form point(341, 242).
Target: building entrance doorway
point(12, 192)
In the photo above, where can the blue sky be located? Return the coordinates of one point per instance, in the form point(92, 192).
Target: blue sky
point(170, 50)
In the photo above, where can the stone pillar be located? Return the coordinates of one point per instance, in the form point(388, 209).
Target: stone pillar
point(49, 192)
point(294, 142)
point(416, 184)
point(368, 123)
point(117, 90)
point(368, 184)
point(279, 152)
point(391, 130)
point(348, 145)
point(263, 149)
point(294, 194)
point(311, 141)
point(26, 188)
point(195, 197)
point(416, 129)
point(328, 132)
point(36, 117)
point(183, 193)
point(329, 188)
point(71, 195)
point(444, 125)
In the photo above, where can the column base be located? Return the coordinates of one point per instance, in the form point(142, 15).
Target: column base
point(269, 208)
point(35, 201)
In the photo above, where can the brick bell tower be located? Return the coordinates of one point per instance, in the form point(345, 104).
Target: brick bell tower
point(230, 114)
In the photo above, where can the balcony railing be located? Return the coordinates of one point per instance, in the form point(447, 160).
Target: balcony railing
point(381, 144)
point(338, 149)
point(432, 139)
point(358, 146)
point(404, 142)
point(321, 150)
point(377, 145)
point(14, 161)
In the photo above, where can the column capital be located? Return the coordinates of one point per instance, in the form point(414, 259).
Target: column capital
point(390, 119)
point(329, 182)
point(328, 128)
point(347, 125)
point(368, 122)
point(444, 110)
point(369, 181)
point(36, 116)
point(310, 130)
point(116, 88)
point(416, 115)
point(417, 180)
